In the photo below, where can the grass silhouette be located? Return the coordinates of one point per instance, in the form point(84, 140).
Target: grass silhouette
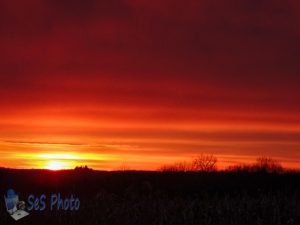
point(141, 197)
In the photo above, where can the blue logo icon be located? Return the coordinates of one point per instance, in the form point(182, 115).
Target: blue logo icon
point(14, 206)
point(19, 209)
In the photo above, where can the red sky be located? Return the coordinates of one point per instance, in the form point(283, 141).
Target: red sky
point(143, 83)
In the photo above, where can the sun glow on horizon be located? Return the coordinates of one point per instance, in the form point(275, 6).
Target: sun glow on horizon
point(111, 156)
point(57, 156)
point(56, 165)
point(60, 161)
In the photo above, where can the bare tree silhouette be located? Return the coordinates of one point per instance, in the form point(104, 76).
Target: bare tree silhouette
point(205, 163)
point(201, 163)
point(267, 164)
point(262, 164)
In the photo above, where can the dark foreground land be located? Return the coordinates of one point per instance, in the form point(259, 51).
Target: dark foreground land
point(146, 198)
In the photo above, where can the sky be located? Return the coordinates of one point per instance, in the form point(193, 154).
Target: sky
point(138, 84)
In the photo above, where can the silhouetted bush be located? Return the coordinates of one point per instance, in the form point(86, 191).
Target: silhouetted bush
point(183, 166)
point(82, 168)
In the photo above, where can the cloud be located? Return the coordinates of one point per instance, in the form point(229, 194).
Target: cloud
point(210, 42)
point(76, 65)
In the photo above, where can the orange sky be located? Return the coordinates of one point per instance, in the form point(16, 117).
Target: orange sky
point(137, 84)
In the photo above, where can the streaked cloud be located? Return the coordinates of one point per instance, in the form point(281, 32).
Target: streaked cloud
point(134, 82)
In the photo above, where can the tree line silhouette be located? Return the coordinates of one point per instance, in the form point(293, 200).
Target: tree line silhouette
point(259, 193)
point(208, 163)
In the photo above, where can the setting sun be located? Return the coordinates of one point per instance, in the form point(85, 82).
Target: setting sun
point(56, 165)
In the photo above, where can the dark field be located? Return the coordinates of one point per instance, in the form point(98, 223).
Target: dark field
point(146, 198)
